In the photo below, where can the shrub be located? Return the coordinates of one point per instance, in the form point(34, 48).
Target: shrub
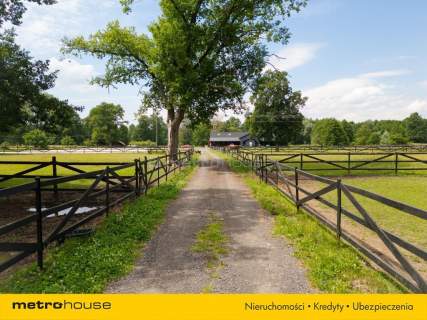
point(4, 146)
point(37, 138)
point(67, 141)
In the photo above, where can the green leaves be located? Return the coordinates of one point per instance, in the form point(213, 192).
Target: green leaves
point(200, 55)
point(276, 118)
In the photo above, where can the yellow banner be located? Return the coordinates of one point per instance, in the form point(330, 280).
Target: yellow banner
point(215, 307)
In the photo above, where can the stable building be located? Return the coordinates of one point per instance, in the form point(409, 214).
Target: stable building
point(221, 139)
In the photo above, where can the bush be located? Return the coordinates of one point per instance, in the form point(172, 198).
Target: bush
point(37, 138)
point(144, 143)
point(88, 143)
point(67, 141)
point(4, 146)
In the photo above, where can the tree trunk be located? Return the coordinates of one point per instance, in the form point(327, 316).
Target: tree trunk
point(174, 121)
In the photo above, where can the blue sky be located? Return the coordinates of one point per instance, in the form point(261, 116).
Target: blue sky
point(353, 59)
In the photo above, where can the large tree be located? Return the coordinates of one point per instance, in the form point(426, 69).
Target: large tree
point(416, 128)
point(12, 10)
point(22, 81)
point(276, 117)
point(200, 56)
point(54, 116)
point(105, 122)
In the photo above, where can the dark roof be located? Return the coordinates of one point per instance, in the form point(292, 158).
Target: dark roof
point(227, 136)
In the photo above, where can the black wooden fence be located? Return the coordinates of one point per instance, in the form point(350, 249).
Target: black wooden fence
point(356, 148)
point(104, 184)
point(346, 162)
point(288, 181)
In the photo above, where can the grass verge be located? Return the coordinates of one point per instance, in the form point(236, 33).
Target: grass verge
point(332, 266)
point(211, 242)
point(88, 265)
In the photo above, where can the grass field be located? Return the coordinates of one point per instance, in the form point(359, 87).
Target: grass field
point(409, 190)
point(83, 157)
point(385, 166)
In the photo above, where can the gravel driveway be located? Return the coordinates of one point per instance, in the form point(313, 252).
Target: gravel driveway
point(257, 262)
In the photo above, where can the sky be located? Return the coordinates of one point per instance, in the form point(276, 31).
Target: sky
point(353, 59)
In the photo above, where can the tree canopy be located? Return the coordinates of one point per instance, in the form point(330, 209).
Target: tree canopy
point(199, 57)
point(106, 124)
point(22, 82)
point(329, 132)
point(276, 117)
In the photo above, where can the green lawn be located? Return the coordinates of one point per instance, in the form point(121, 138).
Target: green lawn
point(407, 189)
point(388, 163)
point(81, 157)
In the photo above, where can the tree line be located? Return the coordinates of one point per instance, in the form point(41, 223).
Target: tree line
point(212, 66)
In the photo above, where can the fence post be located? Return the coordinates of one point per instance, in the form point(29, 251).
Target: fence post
point(301, 161)
point(158, 171)
point(39, 224)
point(396, 162)
point(339, 209)
point(265, 169)
point(296, 188)
point(348, 163)
point(107, 190)
point(167, 167)
point(277, 173)
point(146, 174)
point(136, 178)
point(55, 175)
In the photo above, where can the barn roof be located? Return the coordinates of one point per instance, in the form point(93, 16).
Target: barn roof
point(227, 136)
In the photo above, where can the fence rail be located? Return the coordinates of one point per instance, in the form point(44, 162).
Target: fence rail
point(357, 148)
point(287, 180)
point(347, 162)
point(24, 149)
point(104, 183)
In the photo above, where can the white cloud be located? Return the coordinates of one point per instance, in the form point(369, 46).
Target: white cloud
point(293, 56)
point(385, 73)
point(73, 76)
point(423, 83)
point(360, 98)
point(44, 26)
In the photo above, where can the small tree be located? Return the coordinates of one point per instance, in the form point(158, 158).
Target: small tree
point(68, 141)
point(385, 138)
point(36, 138)
point(201, 134)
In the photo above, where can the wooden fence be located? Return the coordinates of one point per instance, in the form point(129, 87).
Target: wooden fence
point(23, 149)
point(75, 166)
point(288, 181)
point(357, 148)
point(104, 183)
point(346, 162)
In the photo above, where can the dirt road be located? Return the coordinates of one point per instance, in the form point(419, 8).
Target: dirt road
point(257, 262)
